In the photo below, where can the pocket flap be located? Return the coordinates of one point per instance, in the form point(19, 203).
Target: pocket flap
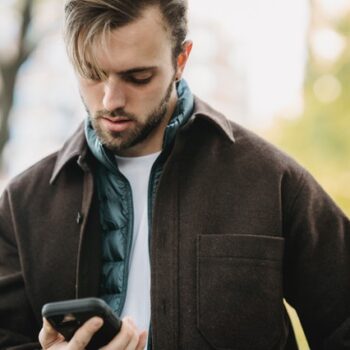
point(241, 246)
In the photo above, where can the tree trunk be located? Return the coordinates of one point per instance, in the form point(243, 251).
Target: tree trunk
point(9, 72)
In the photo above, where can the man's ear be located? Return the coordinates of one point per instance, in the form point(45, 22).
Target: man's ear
point(183, 57)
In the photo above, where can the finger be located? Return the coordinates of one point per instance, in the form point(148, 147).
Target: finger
point(48, 335)
point(142, 341)
point(128, 335)
point(139, 340)
point(134, 341)
point(130, 322)
point(84, 334)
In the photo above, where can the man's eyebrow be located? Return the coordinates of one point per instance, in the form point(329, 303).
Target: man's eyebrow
point(137, 70)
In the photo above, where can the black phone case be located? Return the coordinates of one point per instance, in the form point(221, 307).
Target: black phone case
point(67, 316)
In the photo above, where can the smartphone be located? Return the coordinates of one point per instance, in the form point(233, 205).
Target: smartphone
point(67, 316)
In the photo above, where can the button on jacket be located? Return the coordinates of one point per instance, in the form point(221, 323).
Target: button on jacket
point(237, 226)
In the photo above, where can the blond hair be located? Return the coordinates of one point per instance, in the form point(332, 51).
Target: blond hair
point(88, 22)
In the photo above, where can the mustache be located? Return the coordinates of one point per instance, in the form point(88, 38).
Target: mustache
point(115, 113)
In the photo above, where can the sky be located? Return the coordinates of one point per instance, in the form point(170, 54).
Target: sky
point(267, 45)
point(269, 37)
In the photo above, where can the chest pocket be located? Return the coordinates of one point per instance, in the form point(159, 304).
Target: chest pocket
point(239, 290)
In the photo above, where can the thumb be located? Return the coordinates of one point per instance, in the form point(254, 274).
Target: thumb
point(48, 336)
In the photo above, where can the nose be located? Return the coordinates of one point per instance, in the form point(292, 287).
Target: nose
point(114, 96)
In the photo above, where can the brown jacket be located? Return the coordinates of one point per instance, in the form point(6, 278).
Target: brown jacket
point(237, 227)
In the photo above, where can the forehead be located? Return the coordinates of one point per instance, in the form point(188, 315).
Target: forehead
point(145, 41)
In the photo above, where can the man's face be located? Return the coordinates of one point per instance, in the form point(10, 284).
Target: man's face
point(131, 108)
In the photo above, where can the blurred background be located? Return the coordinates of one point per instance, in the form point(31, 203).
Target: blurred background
point(279, 67)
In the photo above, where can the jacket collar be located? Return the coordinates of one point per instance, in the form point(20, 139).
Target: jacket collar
point(76, 146)
point(203, 110)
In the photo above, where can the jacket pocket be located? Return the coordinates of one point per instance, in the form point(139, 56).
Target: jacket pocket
point(239, 290)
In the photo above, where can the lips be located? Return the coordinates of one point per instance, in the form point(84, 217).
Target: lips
point(116, 124)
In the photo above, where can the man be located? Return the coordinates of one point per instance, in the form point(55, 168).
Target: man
point(190, 227)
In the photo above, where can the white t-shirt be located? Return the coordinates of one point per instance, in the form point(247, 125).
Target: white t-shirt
point(138, 299)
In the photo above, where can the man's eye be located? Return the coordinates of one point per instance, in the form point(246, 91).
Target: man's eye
point(139, 80)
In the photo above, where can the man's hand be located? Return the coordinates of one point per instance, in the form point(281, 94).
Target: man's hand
point(129, 338)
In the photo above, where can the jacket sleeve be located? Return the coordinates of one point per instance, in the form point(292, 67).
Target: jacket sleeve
point(18, 327)
point(317, 265)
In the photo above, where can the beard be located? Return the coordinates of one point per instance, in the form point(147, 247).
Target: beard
point(123, 140)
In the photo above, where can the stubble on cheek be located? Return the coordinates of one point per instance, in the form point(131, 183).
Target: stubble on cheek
point(137, 132)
